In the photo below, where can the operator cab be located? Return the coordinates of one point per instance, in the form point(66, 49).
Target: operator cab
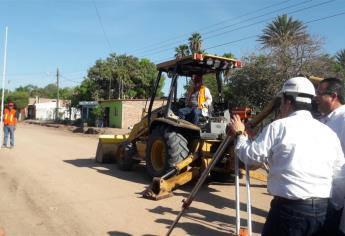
point(180, 71)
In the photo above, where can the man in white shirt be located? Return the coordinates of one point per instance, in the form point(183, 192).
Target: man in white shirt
point(330, 99)
point(304, 157)
point(198, 100)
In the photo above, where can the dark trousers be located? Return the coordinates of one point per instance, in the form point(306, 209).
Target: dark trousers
point(296, 217)
point(191, 114)
point(332, 221)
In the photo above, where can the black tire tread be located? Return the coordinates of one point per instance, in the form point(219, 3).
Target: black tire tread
point(176, 144)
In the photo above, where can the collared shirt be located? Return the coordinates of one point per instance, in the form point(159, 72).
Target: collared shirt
point(336, 121)
point(303, 154)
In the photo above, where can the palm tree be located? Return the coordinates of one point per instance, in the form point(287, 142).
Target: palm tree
point(195, 43)
point(340, 56)
point(181, 51)
point(283, 31)
point(229, 55)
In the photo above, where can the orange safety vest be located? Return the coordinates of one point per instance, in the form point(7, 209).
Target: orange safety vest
point(201, 95)
point(10, 117)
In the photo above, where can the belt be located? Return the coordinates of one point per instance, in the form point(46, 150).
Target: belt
point(306, 201)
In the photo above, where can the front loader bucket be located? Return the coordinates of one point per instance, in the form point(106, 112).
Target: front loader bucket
point(107, 147)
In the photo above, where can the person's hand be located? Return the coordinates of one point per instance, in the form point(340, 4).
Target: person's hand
point(236, 125)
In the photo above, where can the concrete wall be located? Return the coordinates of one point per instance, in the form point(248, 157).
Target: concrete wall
point(133, 109)
point(126, 113)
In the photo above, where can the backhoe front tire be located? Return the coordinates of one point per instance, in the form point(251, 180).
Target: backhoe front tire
point(124, 155)
point(165, 148)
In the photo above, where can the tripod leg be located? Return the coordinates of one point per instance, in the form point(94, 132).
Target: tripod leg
point(237, 193)
point(249, 204)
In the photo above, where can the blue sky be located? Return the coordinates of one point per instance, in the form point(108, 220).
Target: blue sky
point(44, 35)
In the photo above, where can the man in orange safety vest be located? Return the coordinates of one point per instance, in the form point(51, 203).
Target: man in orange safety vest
point(10, 121)
point(199, 98)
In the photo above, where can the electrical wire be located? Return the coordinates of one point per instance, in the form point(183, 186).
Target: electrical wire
point(70, 80)
point(246, 26)
point(102, 27)
point(253, 36)
point(233, 24)
point(212, 25)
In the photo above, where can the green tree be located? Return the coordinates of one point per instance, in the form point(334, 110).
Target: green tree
point(86, 91)
point(20, 99)
point(254, 85)
point(283, 32)
point(122, 76)
point(182, 50)
point(289, 46)
point(229, 55)
point(195, 43)
point(340, 56)
point(66, 93)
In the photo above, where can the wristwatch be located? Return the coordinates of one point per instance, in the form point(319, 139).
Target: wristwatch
point(240, 132)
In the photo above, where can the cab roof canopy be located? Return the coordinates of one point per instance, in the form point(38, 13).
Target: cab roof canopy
point(198, 64)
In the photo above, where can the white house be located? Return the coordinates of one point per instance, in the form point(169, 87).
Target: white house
point(46, 110)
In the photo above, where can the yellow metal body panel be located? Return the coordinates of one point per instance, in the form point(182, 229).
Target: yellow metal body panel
point(109, 139)
point(258, 174)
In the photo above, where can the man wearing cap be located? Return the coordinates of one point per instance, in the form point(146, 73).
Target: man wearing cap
point(304, 158)
point(198, 100)
point(330, 100)
point(10, 121)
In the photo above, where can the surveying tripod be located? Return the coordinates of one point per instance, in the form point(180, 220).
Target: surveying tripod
point(188, 201)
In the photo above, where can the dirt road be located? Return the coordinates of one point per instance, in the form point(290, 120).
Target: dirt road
point(51, 185)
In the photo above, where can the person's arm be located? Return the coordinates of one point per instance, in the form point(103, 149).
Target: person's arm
point(338, 191)
point(254, 152)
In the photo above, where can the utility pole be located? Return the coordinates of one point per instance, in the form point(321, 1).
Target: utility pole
point(57, 98)
point(3, 90)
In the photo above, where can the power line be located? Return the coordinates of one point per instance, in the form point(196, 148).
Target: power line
point(268, 19)
point(70, 80)
point(102, 27)
point(248, 25)
point(233, 24)
point(326, 17)
point(212, 25)
point(253, 36)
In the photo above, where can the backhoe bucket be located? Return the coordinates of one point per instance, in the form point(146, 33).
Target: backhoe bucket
point(107, 147)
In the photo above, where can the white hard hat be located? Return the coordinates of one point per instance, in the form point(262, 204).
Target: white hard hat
point(299, 86)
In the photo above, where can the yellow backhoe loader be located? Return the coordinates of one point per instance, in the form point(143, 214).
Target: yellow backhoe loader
point(174, 150)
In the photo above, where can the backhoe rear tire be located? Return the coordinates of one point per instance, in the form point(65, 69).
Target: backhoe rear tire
point(165, 148)
point(124, 155)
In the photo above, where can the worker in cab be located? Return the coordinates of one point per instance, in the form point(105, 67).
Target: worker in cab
point(304, 157)
point(198, 100)
point(10, 122)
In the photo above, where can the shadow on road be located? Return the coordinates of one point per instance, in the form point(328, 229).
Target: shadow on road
point(137, 174)
point(206, 195)
point(203, 218)
point(206, 222)
point(118, 233)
